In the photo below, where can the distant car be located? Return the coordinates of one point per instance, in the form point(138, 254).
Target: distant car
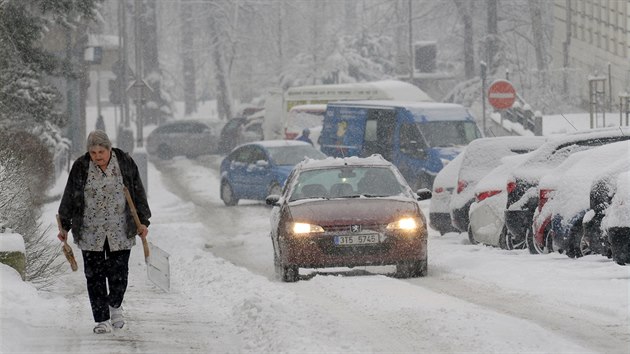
point(443, 186)
point(257, 169)
point(481, 156)
point(522, 184)
point(240, 130)
point(347, 212)
point(616, 224)
point(487, 212)
point(190, 138)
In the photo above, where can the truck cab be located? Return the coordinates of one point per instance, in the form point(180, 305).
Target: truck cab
point(417, 137)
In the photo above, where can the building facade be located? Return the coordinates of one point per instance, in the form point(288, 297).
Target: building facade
point(592, 40)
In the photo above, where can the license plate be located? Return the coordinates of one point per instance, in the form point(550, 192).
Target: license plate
point(353, 240)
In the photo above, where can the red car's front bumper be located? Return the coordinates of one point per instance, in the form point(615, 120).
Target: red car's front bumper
point(320, 250)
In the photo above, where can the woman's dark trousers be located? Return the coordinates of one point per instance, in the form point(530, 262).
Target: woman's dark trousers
point(103, 268)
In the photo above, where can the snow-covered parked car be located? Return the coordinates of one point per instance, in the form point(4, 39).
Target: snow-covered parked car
point(564, 194)
point(443, 186)
point(602, 191)
point(481, 156)
point(487, 212)
point(616, 222)
point(522, 184)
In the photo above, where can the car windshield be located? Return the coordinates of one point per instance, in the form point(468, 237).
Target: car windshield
point(346, 182)
point(449, 133)
point(292, 155)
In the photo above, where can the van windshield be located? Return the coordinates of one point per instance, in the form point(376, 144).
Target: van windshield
point(449, 133)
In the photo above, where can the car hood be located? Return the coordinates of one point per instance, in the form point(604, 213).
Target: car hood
point(344, 211)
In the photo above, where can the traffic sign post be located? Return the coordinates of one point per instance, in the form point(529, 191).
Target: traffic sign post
point(501, 94)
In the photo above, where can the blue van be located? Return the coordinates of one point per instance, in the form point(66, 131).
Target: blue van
point(418, 137)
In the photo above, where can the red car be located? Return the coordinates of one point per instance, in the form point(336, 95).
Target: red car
point(346, 212)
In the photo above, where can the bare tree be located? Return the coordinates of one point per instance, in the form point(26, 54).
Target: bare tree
point(492, 34)
point(218, 26)
point(188, 61)
point(154, 113)
point(535, 13)
point(465, 10)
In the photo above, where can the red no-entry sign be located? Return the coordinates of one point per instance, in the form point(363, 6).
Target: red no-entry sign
point(501, 94)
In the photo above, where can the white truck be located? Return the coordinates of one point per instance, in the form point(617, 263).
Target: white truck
point(278, 104)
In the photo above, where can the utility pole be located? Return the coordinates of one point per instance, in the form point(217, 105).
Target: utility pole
point(484, 72)
point(138, 81)
point(411, 59)
point(122, 59)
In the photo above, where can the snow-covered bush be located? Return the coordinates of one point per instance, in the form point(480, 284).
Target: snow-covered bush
point(26, 172)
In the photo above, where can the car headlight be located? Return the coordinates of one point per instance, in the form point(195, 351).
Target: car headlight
point(300, 228)
point(405, 224)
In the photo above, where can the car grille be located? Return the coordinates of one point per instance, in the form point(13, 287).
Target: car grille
point(347, 229)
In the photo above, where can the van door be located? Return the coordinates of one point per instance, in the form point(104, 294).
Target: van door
point(412, 157)
point(379, 133)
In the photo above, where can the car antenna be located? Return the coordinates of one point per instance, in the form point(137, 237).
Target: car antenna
point(565, 118)
point(491, 132)
point(621, 130)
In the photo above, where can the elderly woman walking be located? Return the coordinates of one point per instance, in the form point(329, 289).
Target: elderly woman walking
point(94, 207)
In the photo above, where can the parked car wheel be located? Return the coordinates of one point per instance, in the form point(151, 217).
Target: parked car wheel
point(471, 237)
point(577, 243)
point(502, 238)
point(411, 269)
point(227, 194)
point(584, 247)
point(164, 152)
point(539, 248)
point(512, 242)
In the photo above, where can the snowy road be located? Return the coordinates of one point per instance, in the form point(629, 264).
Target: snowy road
point(451, 309)
point(225, 297)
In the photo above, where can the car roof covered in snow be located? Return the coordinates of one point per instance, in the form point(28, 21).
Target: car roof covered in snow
point(374, 160)
point(277, 143)
point(572, 179)
point(422, 111)
point(539, 162)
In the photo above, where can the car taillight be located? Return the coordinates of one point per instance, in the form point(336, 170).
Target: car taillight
point(483, 195)
point(511, 186)
point(438, 190)
point(543, 197)
point(461, 185)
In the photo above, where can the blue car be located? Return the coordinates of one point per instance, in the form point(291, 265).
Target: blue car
point(258, 169)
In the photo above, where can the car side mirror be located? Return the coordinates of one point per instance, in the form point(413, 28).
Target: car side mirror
point(423, 194)
point(272, 200)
